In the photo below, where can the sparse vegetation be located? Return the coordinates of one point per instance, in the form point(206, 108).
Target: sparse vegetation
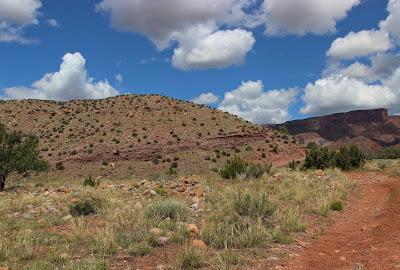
point(83, 207)
point(90, 181)
point(323, 158)
point(386, 153)
point(336, 206)
point(190, 259)
point(143, 205)
point(237, 168)
point(166, 209)
point(60, 166)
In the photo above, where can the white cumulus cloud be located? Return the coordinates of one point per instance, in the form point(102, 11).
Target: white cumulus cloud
point(338, 94)
point(360, 44)
point(15, 16)
point(206, 99)
point(70, 82)
point(251, 102)
point(220, 49)
point(192, 26)
point(368, 83)
point(197, 29)
point(162, 21)
point(392, 23)
point(305, 16)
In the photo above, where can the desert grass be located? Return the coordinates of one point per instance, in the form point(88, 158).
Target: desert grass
point(238, 217)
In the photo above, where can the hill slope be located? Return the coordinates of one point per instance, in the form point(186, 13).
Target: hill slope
point(368, 129)
point(136, 129)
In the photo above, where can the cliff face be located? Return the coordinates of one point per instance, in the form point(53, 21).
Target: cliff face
point(368, 129)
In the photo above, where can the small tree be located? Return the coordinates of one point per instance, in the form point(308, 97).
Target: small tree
point(318, 157)
point(19, 154)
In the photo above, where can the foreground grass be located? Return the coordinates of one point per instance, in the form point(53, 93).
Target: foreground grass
point(237, 216)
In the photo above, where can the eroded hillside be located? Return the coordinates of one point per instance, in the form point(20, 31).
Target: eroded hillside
point(142, 130)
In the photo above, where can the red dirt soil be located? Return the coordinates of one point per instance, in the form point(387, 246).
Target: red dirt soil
point(366, 235)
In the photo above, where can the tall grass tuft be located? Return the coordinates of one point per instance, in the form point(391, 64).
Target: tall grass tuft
point(172, 209)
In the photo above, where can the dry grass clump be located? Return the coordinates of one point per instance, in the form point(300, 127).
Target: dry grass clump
point(248, 214)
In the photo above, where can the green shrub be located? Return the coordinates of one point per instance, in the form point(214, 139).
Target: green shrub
point(233, 168)
point(18, 153)
point(166, 209)
point(347, 158)
point(60, 166)
point(239, 168)
point(336, 206)
point(293, 165)
point(318, 157)
point(83, 208)
point(257, 170)
point(91, 182)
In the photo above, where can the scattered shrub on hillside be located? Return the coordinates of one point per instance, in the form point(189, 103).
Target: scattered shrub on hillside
point(60, 166)
point(239, 168)
point(174, 165)
point(293, 164)
point(91, 182)
point(249, 148)
point(322, 158)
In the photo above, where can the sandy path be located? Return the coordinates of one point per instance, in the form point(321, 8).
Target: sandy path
point(367, 233)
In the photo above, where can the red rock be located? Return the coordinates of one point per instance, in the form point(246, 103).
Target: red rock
point(198, 244)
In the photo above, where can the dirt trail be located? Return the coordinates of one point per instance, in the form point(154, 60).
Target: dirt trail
point(367, 233)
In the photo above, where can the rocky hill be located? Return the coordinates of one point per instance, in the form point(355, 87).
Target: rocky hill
point(142, 133)
point(368, 129)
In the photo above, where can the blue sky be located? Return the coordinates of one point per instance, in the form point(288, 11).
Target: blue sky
point(110, 43)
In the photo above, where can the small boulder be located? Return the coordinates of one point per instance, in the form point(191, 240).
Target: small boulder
point(192, 228)
point(198, 244)
point(162, 240)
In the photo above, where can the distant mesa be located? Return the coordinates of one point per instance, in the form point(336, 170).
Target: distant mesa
point(368, 129)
